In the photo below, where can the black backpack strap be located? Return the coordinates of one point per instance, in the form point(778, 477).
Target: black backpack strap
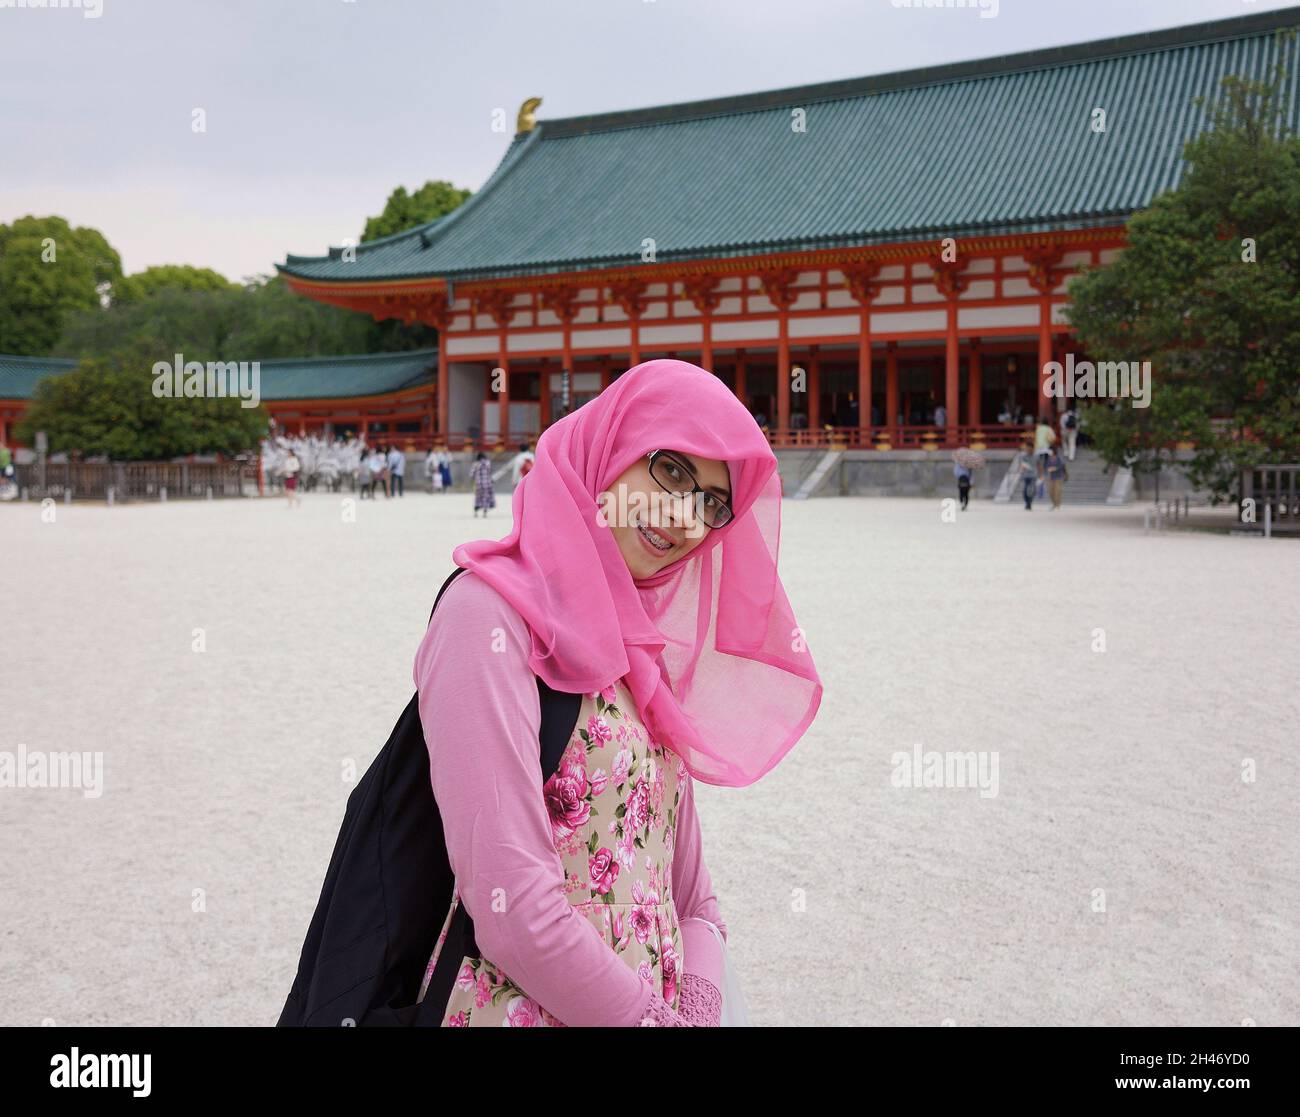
point(559, 716)
point(450, 578)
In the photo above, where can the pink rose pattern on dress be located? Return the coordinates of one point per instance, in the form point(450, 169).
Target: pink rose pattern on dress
point(613, 820)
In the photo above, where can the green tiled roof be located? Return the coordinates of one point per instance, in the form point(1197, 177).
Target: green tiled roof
point(20, 375)
point(293, 378)
point(993, 146)
point(340, 377)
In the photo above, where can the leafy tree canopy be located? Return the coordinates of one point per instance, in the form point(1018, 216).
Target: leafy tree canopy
point(1208, 290)
point(178, 277)
point(49, 271)
point(408, 211)
point(107, 405)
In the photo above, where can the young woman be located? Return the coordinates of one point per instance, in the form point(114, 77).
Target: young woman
point(641, 573)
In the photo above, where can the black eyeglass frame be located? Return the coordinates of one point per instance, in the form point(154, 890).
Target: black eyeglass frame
point(724, 509)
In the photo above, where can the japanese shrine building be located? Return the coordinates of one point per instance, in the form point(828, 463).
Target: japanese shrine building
point(904, 239)
point(804, 229)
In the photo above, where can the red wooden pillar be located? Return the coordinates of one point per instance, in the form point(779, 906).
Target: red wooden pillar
point(1044, 350)
point(630, 296)
point(952, 376)
point(740, 378)
point(561, 301)
point(544, 409)
point(891, 384)
point(974, 384)
point(703, 293)
point(865, 389)
point(444, 392)
point(778, 285)
point(503, 397)
point(783, 380)
point(814, 390)
point(1043, 277)
point(949, 281)
point(860, 280)
point(437, 313)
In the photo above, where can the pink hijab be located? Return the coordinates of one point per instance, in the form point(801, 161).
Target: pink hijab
point(708, 646)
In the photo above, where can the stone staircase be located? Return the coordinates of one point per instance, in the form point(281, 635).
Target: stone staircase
point(817, 476)
point(1089, 483)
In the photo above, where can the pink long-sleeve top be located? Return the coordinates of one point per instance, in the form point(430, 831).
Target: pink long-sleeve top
point(481, 715)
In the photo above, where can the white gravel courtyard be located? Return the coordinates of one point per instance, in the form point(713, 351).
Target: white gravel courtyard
point(1124, 873)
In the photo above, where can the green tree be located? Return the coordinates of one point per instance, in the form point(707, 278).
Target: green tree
point(407, 211)
point(260, 320)
point(179, 277)
point(106, 405)
point(1208, 290)
point(48, 271)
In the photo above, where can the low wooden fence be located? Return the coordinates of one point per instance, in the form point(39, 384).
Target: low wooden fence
point(136, 480)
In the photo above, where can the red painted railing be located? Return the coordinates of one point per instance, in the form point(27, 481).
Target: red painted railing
point(993, 436)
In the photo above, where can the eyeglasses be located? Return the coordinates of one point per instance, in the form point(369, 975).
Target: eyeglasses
point(676, 477)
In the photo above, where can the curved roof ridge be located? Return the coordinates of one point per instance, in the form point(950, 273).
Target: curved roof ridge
point(438, 225)
point(1143, 42)
point(355, 358)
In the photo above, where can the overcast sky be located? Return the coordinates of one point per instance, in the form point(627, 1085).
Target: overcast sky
point(316, 109)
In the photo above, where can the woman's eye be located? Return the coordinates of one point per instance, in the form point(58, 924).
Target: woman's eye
point(710, 501)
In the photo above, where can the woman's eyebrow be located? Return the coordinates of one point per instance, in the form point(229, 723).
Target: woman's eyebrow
point(695, 469)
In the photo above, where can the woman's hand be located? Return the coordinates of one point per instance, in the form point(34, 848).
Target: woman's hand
point(701, 1006)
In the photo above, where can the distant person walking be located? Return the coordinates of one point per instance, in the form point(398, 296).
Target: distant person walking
point(432, 472)
point(1057, 475)
point(481, 474)
point(444, 467)
point(1044, 436)
point(397, 470)
point(1070, 431)
point(963, 475)
point(1027, 475)
point(292, 467)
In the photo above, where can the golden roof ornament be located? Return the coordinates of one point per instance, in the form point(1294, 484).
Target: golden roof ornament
point(527, 120)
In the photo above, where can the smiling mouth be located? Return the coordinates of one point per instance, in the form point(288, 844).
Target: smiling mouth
point(659, 542)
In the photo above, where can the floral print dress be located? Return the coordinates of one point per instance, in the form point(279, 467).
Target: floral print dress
point(613, 805)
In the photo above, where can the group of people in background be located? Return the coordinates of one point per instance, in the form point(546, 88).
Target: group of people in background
point(437, 468)
point(382, 467)
point(1044, 472)
point(307, 461)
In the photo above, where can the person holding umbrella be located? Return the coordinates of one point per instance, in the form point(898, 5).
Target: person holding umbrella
point(964, 462)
